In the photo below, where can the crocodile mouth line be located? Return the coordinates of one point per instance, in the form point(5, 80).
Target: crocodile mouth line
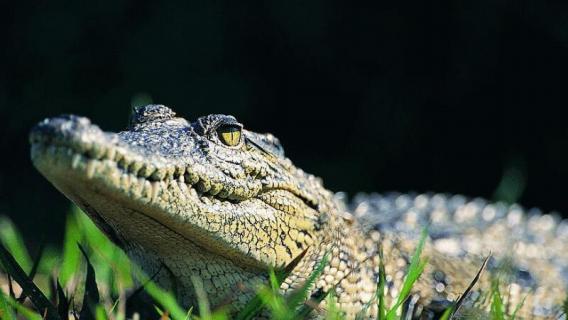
point(145, 180)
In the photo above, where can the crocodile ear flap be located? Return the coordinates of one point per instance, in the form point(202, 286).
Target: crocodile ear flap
point(266, 143)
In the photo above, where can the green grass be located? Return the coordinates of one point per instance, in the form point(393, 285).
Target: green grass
point(92, 278)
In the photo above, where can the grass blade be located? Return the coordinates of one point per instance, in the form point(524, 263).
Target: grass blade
point(39, 300)
point(37, 260)
point(11, 287)
point(203, 302)
point(298, 296)
point(520, 305)
point(382, 312)
point(414, 271)
point(318, 296)
point(100, 313)
point(311, 304)
point(5, 309)
point(23, 310)
point(333, 312)
point(253, 308)
point(456, 307)
point(32, 273)
point(497, 306)
point(63, 302)
point(91, 297)
point(188, 316)
point(11, 239)
point(165, 298)
point(71, 257)
point(449, 312)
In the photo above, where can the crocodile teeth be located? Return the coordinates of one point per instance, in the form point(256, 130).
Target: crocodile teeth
point(91, 167)
point(96, 151)
point(203, 186)
point(146, 171)
point(125, 181)
point(135, 167)
point(147, 191)
point(159, 174)
point(118, 157)
point(75, 161)
point(138, 185)
point(179, 172)
point(215, 188)
point(122, 163)
point(111, 153)
point(191, 177)
point(155, 190)
point(226, 192)
point(170, 171)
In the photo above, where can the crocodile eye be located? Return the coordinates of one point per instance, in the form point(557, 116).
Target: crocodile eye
point(229, 135)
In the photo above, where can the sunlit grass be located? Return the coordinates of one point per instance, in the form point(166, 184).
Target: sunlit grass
point(101, 284)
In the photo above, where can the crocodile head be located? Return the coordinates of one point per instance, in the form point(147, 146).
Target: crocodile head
point(205, 198)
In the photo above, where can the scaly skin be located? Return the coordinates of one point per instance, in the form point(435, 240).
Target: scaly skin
point(212, 200)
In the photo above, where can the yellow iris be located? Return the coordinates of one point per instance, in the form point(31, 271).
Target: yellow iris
point(229, 135)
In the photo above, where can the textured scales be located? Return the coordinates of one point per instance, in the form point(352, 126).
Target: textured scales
point(213, 200)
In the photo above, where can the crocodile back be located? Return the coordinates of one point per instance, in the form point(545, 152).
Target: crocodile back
point(532, 245)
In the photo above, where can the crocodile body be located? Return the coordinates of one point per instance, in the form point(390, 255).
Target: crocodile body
point(212, 200)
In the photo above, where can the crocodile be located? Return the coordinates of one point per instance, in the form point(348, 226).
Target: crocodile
point(213, 200)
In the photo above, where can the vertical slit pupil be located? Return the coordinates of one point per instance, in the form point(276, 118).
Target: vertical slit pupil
point(230, 135)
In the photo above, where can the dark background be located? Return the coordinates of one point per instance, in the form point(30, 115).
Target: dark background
point(449, 96)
